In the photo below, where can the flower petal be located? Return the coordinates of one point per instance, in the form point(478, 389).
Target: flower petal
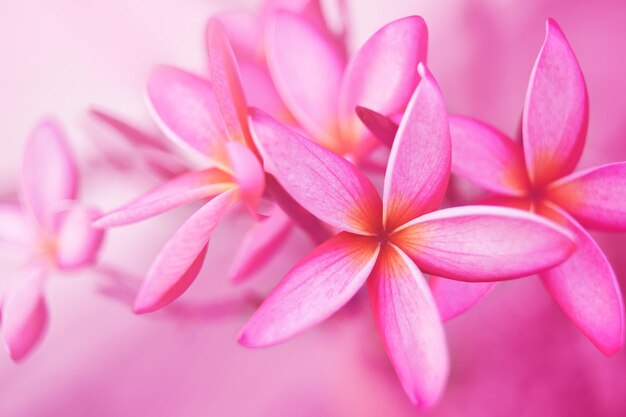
point(410, 326)
point(184, 189)
point(307, 69)
point(488, 158)
point(260, 244)
point(382, 74)
point(14, 227)
point(323, 183)
point(595, 197)
point(586, 288)
point(261, 92)
point(77, 241)
point(419, 163)
point(383, 128)
point(456, 297)
point(244, 31)
point(179, 261)
point(185, 108)
point(24, 312)
point(319, 285)
point(556, 111)
point(226, 83)
point(482, 243)
point(49, 173)
point(247, 173)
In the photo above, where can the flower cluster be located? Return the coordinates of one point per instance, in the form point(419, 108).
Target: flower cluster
point(300, 131)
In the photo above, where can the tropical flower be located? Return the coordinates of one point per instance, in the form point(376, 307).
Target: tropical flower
point(49, 228)
point(388, 243)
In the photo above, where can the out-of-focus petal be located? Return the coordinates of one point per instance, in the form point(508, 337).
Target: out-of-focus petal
point(487, 157)
point(261, 92)
point(226, 83)
point(247, 173)
point(24, 312)
point(245, 33)
point(595, 197)
point(49, 173)
point(323, 183)
point(419, 163)
point(456, 297)
point(179, 261)
point(483, 243)
point(383, 128)
point(260, 244)
point(185, 108)
point(183, 189)
point(382, 74)
point(319, 285)
point(77, 240)
point(14, 227)
point(586, 288)
point(307, 71)
point(410, 326)
point(555, 112)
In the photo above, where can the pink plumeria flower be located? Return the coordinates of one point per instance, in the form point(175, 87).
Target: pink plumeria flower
point(538, 177)
point(321, 89)
point(390, 242)
point(50, 228)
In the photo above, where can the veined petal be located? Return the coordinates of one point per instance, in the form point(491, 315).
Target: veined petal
point(179, 261)
point(488, 158)
point(77, 241)
point(14, 227)
point(323, 183)
point(49, 172)
point(24, 312)
point(410, 326)
point(260, 244)
point(419, 163)
point(482, 243)
point(383, 128)
point(586, 288)
point(456, 297)
point(247, 173)
point(319, 285)
point(185, 108)
point(556, 111)
point(382, 74)
point(183, 189)
point(226, 83)
point(596, 197)
point(307, 69)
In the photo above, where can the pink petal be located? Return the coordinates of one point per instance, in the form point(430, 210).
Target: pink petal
point(260, 244)
point(247, 173)
point(410, 326)
point(14, 227)
point(556, 110)
point(382, 73)
point(586, 288)
point(184, 189)
point(226, 84)
point(24, 312)
point(307, 70)
point(456, 297)
point(260, 90)
point(131, 133)
point(487, 157)
point(323, 183)
point(179, 261)
point(482, 243)
point(245, 33)
point(595, 197)
point(419, 163)
point(185, 108)
point(49, 173)
point(319, 285)
point(77, 241)
point(383, 128)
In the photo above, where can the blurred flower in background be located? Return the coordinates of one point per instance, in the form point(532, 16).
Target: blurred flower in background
point(513, 354)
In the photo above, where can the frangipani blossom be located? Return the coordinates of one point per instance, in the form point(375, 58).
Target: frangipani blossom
point(49, 228)
point(321, 89)
point(388, 243)
point(538, 177)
